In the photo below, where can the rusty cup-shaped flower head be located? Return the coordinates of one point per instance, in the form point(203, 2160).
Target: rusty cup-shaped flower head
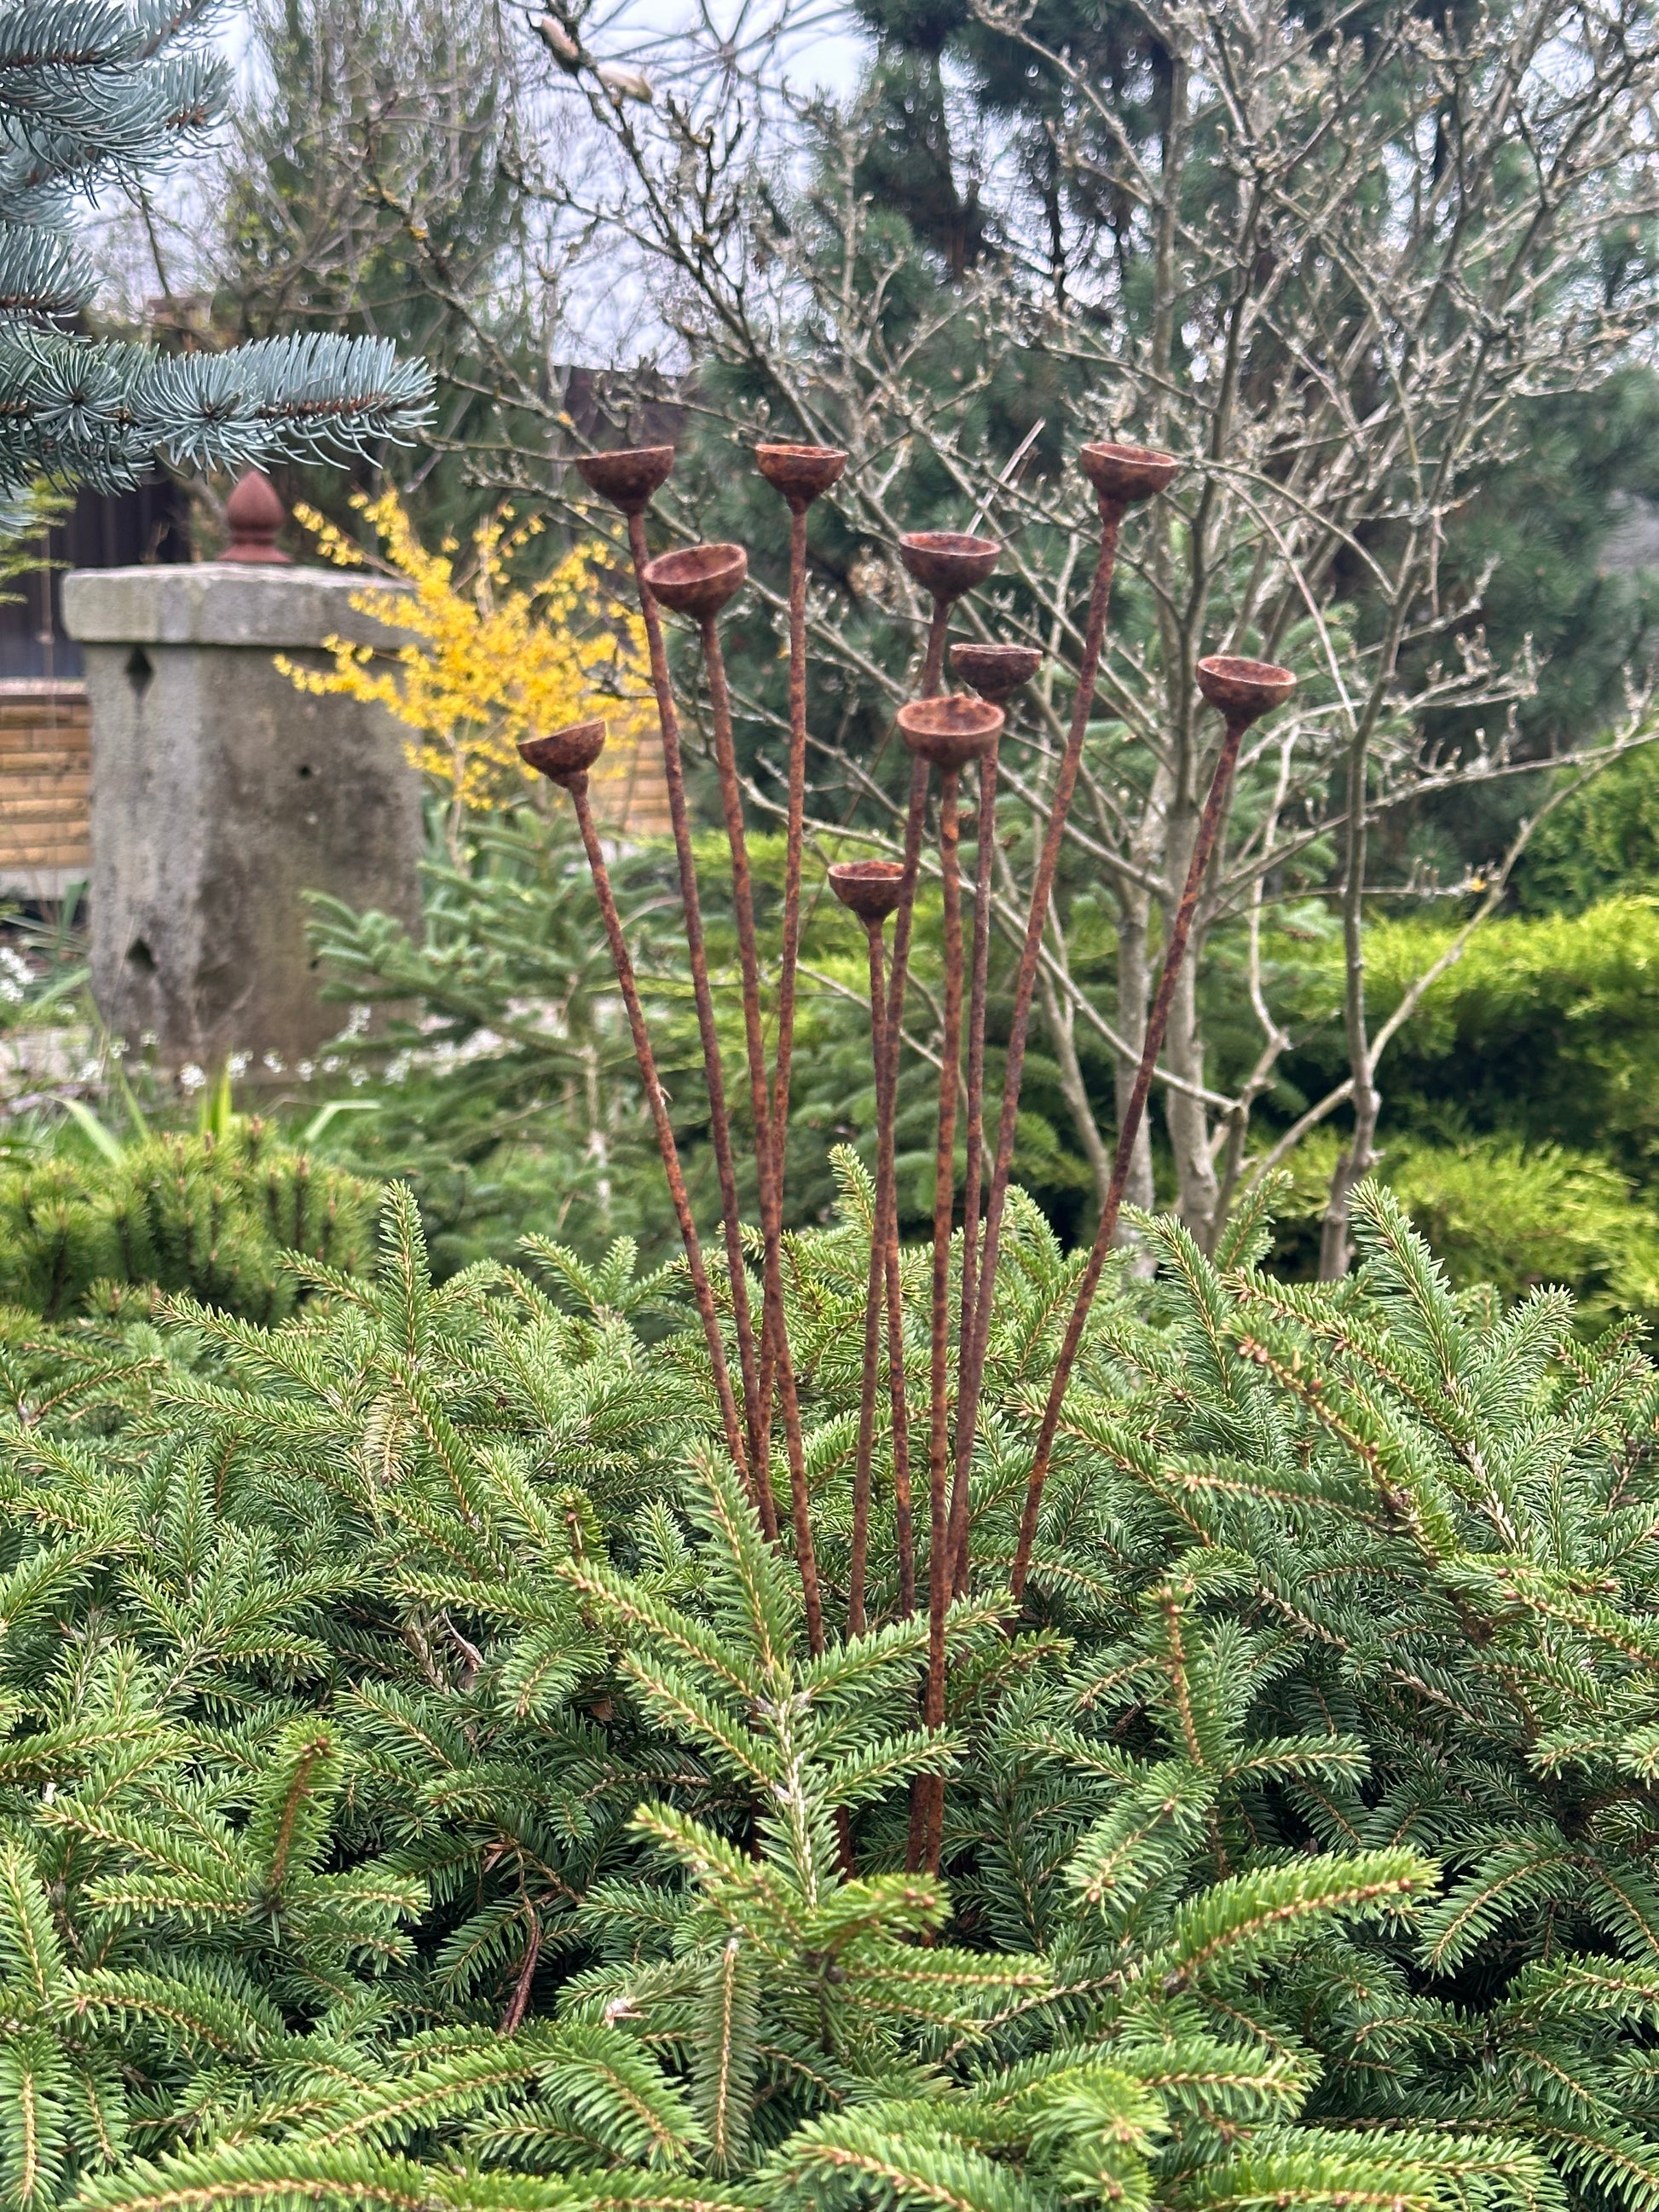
point(996, 671)
point(950, 731)
point(869, 889)
point(1244, 690)
point(699, 579)
point(1123, 473)
point(799, 472)
point(564, 753)
point(948, 562)
point(627, 479)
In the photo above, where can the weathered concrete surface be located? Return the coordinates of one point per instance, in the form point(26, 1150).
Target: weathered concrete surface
point(220, 795)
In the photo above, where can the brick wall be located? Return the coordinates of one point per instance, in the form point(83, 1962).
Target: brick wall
point(44, 760)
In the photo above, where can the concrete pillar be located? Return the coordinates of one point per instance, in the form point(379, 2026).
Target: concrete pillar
point(221, 794)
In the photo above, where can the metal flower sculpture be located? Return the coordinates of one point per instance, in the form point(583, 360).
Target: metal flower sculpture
point(947, 736)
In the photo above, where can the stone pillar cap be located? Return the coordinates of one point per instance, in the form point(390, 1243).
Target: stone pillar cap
point(222, 602)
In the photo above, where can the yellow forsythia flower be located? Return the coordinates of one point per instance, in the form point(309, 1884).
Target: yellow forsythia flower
point(489, 662)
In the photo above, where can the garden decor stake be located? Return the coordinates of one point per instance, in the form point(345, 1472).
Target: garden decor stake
point(801, 474)
point(946, 564)
point(629, 480)
point(870, 890)
point(698, 581)
point(947, 734)
point(1243, 690)
point(996, 672)
point(1121, 476)
point(564, 757)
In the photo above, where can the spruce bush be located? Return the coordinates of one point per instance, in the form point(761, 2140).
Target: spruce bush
point(417, 1791)
point(210, 1213)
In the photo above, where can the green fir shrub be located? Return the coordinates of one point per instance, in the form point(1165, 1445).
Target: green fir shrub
point(417, 1791)
point(210, 1213)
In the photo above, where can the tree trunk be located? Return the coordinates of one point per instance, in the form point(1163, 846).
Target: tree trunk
point(1336, 1237)
point(1062, 1018)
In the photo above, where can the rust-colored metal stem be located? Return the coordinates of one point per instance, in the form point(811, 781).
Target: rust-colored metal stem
point(933, 665)
point(985, 831)
point(932, 670)
point(887, 1180)
point(1094, 638)
point(766, 1150)
point(1157, 1022)
point(701, 1288)
point(939, 1575)
point(790, 950)
point(899, 1411)
point(857, 1567)
point(719, 1125)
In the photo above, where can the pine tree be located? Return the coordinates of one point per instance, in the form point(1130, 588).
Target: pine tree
point(94, 95)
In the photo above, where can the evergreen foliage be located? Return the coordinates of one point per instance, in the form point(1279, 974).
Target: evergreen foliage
point(213, 1214)
point(416, 1790)
point(94, 95)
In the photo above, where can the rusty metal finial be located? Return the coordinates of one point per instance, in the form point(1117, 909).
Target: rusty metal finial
point(801, 473)
point(1123, 474)
point(996, 671)
point(1243, 690)
point(868, 888)
point(948, 562)
point(629, 479)
point(698, 580)
point(564, 753)
point(951, 731)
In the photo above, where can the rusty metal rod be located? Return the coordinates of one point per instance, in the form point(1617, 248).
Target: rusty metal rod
point(719, 1125)
point(1094, 637)
point(791, 947)
point(873, 1308)
point(887, 1180)
point(790, 957)
point(985, 831)
point(932, 664)
point(899, 1409)
point(766, 1150)
point(626, 982)
point(1157, 1022)
point(932, 670)
point(939, 1562)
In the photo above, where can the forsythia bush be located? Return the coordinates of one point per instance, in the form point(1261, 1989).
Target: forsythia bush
point(416, 1792)
point(489, 662)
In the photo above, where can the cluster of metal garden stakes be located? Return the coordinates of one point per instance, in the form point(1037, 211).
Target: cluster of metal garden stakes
point(946, 735)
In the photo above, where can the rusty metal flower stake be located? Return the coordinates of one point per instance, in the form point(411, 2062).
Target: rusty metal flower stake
point(698, 582)
point(629, 480)
point(565, 756)
point(870, 890)
point(1243, 690)
point(946, 735)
